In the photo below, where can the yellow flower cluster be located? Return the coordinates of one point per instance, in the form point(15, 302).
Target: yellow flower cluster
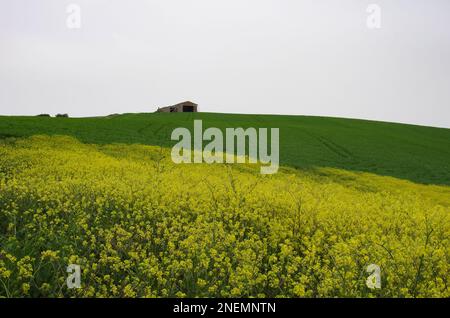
point(141, 226)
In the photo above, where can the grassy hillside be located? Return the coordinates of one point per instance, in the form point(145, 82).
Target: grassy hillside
point(139, 225)
point(420, 154)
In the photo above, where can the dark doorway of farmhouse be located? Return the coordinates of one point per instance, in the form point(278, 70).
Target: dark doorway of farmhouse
point(188, 109)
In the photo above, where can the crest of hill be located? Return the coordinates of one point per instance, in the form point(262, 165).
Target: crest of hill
point(417, 153)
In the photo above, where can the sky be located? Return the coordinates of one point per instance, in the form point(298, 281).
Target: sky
point(297, 57)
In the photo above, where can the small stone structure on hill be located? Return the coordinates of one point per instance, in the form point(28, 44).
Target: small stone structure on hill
point(184, 107)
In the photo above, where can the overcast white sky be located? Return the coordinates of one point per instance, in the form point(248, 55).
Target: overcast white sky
point(304, 57)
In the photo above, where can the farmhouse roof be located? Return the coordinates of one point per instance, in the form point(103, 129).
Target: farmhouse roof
point(186, 102)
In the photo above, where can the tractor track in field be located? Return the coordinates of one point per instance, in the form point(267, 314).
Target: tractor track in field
point(334, 147)
point(339, 150)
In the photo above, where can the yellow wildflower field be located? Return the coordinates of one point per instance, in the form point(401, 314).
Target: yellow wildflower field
point(140, 226)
